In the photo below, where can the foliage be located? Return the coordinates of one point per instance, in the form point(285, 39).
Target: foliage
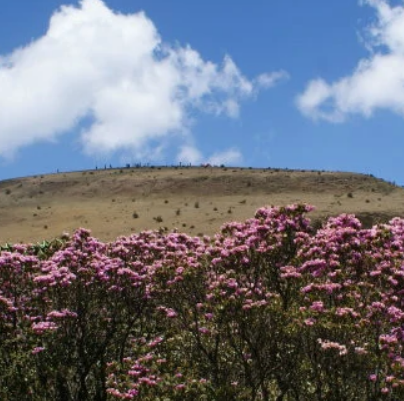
point(267, 309)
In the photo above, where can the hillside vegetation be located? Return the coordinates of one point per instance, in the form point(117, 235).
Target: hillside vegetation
point(267, 309)
point(272, 307)
point(115, 202)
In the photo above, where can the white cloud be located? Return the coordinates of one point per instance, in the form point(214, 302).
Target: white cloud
point(191, 154)
point(268, 80)
point(114, 68)
point(376, 83)
point(227, 157)
point(317, 93)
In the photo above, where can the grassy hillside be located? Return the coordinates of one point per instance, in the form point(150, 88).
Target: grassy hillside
point(114, 202)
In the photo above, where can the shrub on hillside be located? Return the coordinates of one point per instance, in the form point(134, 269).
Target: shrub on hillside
point(266, 309)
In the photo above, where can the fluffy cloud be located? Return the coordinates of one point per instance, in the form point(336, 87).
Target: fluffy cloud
point(115, 71)
point(190, 154)
point(227, 157)
point(376, 83)
point(268, 80)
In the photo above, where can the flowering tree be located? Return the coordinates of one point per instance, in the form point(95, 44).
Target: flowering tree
point(267, 309)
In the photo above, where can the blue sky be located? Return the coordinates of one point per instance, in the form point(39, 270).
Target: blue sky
point(312, 85)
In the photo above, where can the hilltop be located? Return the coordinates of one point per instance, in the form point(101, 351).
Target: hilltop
point(195, 200)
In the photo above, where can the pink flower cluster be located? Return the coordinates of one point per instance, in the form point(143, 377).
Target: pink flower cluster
point(266, 309)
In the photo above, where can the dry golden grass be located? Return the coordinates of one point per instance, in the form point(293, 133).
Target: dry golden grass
point(117, 202)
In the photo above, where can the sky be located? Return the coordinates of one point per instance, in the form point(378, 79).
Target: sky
point(308, 84)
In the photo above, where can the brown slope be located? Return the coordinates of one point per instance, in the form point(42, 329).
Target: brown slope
point(194, 200)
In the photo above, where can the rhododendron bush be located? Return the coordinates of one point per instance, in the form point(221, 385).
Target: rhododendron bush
point(267, 309)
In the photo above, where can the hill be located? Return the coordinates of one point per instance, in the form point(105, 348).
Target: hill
point(115, 202)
